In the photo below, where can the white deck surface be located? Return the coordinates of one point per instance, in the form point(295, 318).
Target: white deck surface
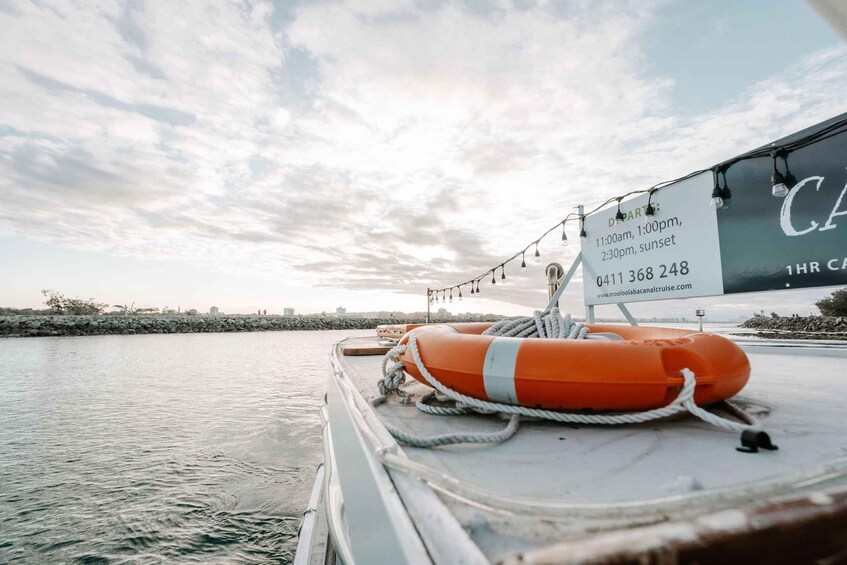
point(609, 473)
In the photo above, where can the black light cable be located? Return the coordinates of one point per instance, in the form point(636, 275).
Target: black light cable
point(726, 194)
point(790, 179)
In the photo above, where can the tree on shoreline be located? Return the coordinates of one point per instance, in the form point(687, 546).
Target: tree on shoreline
point(61, 304)
point(834, 305)
point(125, 309)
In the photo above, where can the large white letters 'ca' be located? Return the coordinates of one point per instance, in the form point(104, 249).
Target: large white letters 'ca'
point(785, 213)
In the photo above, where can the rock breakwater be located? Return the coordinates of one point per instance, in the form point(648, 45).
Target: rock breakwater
point(37, 326)
point(799, 327)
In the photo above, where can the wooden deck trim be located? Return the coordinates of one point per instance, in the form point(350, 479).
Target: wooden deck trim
point(806, 529)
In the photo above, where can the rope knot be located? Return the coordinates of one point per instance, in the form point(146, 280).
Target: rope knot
point(393, 376)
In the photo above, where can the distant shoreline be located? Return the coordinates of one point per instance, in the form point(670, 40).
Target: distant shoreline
point(59, 326)
point(810, 327)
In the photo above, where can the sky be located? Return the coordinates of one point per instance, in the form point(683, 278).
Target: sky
point(261, 155)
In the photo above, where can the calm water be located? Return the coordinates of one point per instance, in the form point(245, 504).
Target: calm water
point(176, 448)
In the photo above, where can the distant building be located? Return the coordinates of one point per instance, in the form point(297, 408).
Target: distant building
point(340, 312)
point(213, 311)
point(288, 311)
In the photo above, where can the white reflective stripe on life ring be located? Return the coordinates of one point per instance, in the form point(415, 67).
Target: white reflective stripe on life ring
point(498, 371)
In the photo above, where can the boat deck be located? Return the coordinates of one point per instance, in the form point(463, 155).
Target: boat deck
point(553, 483)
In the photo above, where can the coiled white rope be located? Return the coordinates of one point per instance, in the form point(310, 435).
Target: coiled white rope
point(551, 326)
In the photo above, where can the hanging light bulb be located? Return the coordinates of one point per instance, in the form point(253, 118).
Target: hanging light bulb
point(444, 296)
point(523, 262)
point(726, 194)
point(790, 179)
point(460, 293)
point(649, 211)
point(472, 290)
point(477, 286)
point(582, 227)
point(537, 254)
point(717, 199)
point(778, 188)
point(619, 215)
point(502, 274)
point(564, 236)
point(451, 295)
point(493, 280)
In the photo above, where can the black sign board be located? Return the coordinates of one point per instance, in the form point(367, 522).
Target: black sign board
point(798, 241)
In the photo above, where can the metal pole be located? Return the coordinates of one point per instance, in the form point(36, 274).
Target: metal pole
point(589, 310)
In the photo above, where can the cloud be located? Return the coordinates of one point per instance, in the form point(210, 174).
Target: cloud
point(158, 113)
point(382, 146)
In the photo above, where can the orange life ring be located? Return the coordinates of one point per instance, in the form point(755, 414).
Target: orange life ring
point(638, 370)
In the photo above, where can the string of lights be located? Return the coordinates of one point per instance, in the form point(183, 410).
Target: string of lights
point(721, 199)
point(781, 184)
point(446, 293)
